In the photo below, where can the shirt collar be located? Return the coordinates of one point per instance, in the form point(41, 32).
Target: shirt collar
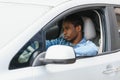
point(81, 42)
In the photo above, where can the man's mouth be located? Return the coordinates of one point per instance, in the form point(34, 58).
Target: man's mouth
point(66, 37)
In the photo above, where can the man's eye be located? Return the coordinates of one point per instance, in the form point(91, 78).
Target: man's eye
point(66, 28)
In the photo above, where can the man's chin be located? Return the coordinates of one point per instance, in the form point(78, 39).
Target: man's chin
point(67, 39)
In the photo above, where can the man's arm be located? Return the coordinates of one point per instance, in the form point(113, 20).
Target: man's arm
point(53, 42)
point(88, 49)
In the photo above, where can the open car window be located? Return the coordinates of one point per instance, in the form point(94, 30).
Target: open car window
point(55, 30)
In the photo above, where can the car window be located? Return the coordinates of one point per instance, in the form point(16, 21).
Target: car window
point(55, 31)
point(25, 55)
point(117, 13)
point(28, 52)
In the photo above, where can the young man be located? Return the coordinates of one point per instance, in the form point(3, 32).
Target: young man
point(73, 36)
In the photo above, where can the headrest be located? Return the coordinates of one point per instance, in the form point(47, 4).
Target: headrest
point(89, 29)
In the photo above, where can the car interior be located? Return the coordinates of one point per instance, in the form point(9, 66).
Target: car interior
point(91, 28)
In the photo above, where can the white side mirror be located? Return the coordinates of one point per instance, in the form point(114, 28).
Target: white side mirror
point(57, 54)
point(60, 52)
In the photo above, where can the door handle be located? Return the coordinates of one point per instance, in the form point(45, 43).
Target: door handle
point(109, 71)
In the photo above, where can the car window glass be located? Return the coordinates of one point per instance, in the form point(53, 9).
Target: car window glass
point(25, 55)
point(28, 52)
point(117, 13)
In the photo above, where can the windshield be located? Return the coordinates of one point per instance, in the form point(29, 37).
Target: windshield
point(15, 18)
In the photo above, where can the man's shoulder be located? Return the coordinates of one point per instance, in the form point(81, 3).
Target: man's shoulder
point(90, 43)
point(86, 42)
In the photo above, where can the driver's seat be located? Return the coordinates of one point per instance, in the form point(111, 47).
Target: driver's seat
point(89, 29)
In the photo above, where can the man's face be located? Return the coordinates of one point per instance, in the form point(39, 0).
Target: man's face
point(70, 31)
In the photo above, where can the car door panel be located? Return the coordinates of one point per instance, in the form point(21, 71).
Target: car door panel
point(18, 74)
point(105, 67)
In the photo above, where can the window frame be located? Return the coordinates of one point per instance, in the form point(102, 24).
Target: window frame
point(75, 10)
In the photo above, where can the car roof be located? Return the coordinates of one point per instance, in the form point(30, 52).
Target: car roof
point(58, 2)
point(37, 2)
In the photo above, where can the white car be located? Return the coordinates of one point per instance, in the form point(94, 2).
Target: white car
point(25, 25)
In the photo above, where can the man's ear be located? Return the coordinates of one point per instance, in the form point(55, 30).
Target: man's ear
point(78, 28)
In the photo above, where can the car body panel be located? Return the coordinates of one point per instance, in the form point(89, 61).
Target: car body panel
point(104, 67)
point(60, 2)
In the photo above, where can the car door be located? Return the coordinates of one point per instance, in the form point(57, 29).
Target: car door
point(19, 74)
point(104, 66)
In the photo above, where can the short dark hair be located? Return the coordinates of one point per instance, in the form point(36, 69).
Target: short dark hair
point(75, 19)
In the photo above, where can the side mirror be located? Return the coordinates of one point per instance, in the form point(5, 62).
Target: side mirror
point(59, 54)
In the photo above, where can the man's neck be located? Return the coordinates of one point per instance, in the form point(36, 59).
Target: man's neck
point(77, 40)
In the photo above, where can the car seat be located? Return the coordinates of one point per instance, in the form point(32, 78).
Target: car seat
point(89, 29)
point(90, 32)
